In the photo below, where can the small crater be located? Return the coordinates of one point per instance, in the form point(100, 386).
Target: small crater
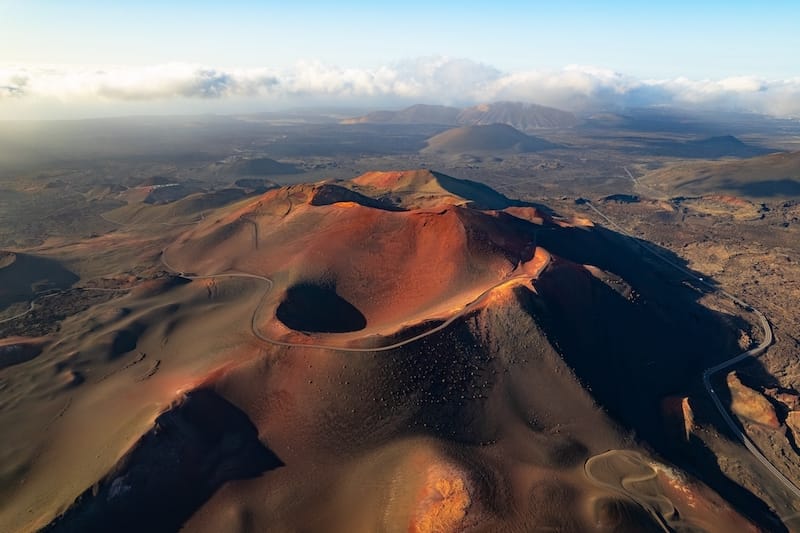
point(317, 308)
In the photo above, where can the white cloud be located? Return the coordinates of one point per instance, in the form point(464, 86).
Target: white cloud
point(435, 79)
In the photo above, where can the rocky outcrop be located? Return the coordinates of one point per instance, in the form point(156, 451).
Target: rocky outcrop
point(678, 416)
point(750, 404)
point(791, 400)
point(793, 423)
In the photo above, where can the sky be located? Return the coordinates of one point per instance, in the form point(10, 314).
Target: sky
point(65, 59)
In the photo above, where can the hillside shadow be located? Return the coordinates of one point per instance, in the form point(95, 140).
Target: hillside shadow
point(766, 188)
point(709, 148)
point(29, 275)
point(317, 308)
point(172, 470)
point(634, 346)
point(329, 193)
point(482, 196)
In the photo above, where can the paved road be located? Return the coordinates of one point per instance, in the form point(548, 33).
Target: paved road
point(707, 373)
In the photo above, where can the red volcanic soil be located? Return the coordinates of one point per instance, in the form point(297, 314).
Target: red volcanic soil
point(425, 261)
point(414, 180)
point(402, 352)
point(415, 189)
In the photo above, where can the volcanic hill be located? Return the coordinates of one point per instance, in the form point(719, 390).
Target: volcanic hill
point(404, 351)
point(519, 115)
point(493, 138)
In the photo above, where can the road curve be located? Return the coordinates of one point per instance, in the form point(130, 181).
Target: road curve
point(31, 307)
point(707, 373)
point(625, 485)
point(32, 304)
point(270, 284)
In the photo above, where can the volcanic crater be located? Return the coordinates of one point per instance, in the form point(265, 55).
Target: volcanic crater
point(404, 351)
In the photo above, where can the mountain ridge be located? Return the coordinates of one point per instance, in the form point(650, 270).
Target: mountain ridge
point(523, 116)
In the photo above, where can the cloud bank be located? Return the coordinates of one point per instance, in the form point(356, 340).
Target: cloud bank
point(432, 80)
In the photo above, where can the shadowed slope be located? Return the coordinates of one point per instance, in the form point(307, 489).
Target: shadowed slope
point(193, 449)
point(407, 186)
point(329, 193)
point(317, 308)
point(765, 177)
point(24, 275)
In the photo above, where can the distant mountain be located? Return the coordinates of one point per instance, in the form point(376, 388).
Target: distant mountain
point(702, 123)
point(490, 138)
point(416, 114)
point(522, 116)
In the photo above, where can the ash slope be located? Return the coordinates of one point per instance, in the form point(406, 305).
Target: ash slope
point(454, 392)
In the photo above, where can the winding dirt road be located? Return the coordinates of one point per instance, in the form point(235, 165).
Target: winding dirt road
point(32, 305)
point(270, 284)
point(604, 471)
point(707, 373)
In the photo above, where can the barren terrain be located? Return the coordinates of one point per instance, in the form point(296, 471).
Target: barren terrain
point(272, 325)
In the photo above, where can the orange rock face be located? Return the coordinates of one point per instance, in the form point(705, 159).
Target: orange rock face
point(750, 404)
point(793, 422)
point(443, 503)
point(679, 415)
point(790, 399)
point(698, 506)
